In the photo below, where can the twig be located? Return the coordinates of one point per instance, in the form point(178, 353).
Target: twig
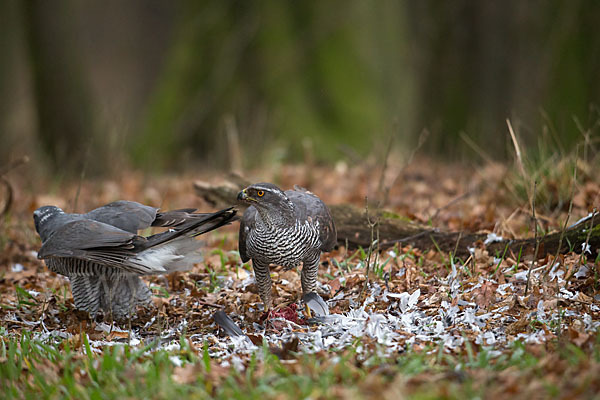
point(456, 246)
point(309, 160)
point(372, 226)
point(517, 149)
point(81, 178)
point(348, 151)
point(380, 187)
point(452, 202)
point(407, 238)
point(17, 163)
point(205, 303)
point(564, 228)
point(43, 313)
point(475, 147)
point(9, 197)
point(233, 140)
point(586, 137)
point(585, 245)
point(9, 189)
point(537, 241)
point(504, 223)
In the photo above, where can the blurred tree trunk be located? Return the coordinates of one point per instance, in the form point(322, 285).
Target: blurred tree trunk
point(7, 33)
point(301, 63)
point(189, 93)
point(481, 62)
point(65, 117)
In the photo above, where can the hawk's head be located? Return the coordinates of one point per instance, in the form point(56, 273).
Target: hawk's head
point(265, 196)
point(41, 216)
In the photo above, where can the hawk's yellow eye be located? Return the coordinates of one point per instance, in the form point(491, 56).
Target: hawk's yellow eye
point(260, 193)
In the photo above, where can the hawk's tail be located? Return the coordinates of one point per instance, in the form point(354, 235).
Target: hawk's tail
point(117, 295)
point(196, 225)
point(175, 249)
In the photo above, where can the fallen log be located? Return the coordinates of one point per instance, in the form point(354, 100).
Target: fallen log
point(355, 229)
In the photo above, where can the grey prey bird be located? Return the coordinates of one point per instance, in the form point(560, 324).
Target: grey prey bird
point(103, 255)
point(286, 229)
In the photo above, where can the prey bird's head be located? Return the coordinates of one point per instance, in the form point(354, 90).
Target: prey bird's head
point(42, 216)
point(265, 196)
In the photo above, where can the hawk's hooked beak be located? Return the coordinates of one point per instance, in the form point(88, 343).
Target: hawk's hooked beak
point(242, 196)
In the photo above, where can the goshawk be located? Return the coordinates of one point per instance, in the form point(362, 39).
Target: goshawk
point(286, 229)
point(103, 255)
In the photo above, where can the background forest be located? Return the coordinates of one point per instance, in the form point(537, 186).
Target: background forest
point(456, 144)
point(168, 85)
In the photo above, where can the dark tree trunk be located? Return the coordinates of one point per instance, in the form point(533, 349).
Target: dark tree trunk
point(64, 113)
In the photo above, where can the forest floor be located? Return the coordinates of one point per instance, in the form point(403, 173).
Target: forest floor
point(425, 325)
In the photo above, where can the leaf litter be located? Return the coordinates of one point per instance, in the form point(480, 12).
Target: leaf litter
point(418, 299)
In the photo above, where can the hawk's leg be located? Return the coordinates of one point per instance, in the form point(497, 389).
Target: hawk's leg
point(308, 277)
point(122, 292)
point(87, 293)
point(262, 277)
point(310, 267)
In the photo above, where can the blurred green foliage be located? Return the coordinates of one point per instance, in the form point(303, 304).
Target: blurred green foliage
point(292, 66)
point(169, 85)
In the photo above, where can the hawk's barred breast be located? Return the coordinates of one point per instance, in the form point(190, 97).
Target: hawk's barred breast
point(285, 246)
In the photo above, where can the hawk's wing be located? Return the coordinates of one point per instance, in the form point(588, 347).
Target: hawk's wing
point(129, 216)
point(247, 223)
point(308, 205)
point(96, 242)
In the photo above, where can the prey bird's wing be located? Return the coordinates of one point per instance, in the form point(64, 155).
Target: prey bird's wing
point(316, 304)
point(227, 324)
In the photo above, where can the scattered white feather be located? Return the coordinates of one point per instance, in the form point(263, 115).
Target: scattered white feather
point(176, 361)
point(17, 267)
point(582, 272)
point(590, 215)
point(585, 248)
point(492, 238)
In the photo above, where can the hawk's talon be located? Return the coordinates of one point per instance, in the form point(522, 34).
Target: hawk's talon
point(307, 312)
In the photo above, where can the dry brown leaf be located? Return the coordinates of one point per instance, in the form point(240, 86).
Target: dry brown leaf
point(518, 326)
point(117, 335)
point(335, 285)
point(485, 294)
